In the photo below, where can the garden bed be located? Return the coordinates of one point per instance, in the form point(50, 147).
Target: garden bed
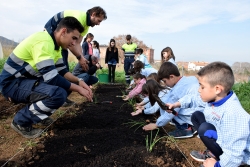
point(95, 135)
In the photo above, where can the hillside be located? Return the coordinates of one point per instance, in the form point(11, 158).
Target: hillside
point(7, 42)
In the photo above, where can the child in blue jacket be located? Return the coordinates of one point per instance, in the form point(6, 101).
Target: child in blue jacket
point(223, 126)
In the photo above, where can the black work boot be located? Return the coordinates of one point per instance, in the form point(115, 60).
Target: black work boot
point(27, 132)
point(46, 122)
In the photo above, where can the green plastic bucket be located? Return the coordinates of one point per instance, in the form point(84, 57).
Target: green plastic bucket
point(104, 78)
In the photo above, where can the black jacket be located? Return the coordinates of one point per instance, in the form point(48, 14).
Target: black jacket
point(111, 54)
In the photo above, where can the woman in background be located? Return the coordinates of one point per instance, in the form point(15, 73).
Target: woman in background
point(111, 59)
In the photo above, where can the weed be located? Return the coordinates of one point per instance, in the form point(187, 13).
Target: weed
point(151, 143)
point(28, 144)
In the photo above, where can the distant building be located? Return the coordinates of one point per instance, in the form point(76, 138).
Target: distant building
point(192, 66)
point(195, 66)
point(149, 52)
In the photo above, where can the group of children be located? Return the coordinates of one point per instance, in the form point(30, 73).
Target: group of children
point(204, 104)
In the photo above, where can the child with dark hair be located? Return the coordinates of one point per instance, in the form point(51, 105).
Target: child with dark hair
point(96, 50)
point(151, 87)
point(111, 59)
point(223, 126)
point(167, 54)
point(145, 102)
point(139, 80)
point(87, 49)
point(180, 86)
point(140, 68)
point(141, 57)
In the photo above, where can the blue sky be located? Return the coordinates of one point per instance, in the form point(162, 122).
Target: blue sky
point(195, 30)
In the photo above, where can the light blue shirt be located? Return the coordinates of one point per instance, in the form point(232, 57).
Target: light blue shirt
point(144, 60)
point(147, 71)
point(185, 86)
point(149, 109)
point(232, 124)
point(172, 61)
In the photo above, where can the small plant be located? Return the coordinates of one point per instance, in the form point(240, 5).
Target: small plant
point(29, 144)
point(134, 123)
point(151, 143)
point(132, 102)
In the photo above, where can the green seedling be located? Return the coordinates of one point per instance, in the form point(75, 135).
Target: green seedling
point(151, 143)
point(132, 102)
point(28, 144)
point(136, 124)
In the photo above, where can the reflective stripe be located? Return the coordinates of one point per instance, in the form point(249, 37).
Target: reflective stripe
point(42, 106)
point(17, 75)
point(60, 68)
point(50, 75)
point(16, 59)
point(62, 14)
point(38, 114)
point(55, 18)
point(59, 61)
point(32, 72)
point(9, 69)
point(44, 63)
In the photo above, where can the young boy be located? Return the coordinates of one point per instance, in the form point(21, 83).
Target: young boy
point(180, 86)
point(224, 126)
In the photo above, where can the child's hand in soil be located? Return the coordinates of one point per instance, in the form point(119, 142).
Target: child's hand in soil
point(126, 98)
point(137, 112)
point(150, 126)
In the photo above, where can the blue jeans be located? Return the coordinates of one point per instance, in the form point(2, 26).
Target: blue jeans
point(112, 62)
point(44, 99)
point(88, 79)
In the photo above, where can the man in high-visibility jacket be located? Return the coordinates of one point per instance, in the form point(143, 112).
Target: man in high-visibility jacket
point(34, 73)
point(92, 17)
point(129, 56)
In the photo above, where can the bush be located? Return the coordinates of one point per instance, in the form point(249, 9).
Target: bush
point(2, 61)
point(242, 90)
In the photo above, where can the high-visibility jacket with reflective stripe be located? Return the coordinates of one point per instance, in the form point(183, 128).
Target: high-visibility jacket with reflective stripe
point(34, 57)
point(129, 49)
point(80, 16)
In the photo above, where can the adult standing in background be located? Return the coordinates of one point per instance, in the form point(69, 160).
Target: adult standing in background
point(92, 17)
point(129, 56)
point(111, 59)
